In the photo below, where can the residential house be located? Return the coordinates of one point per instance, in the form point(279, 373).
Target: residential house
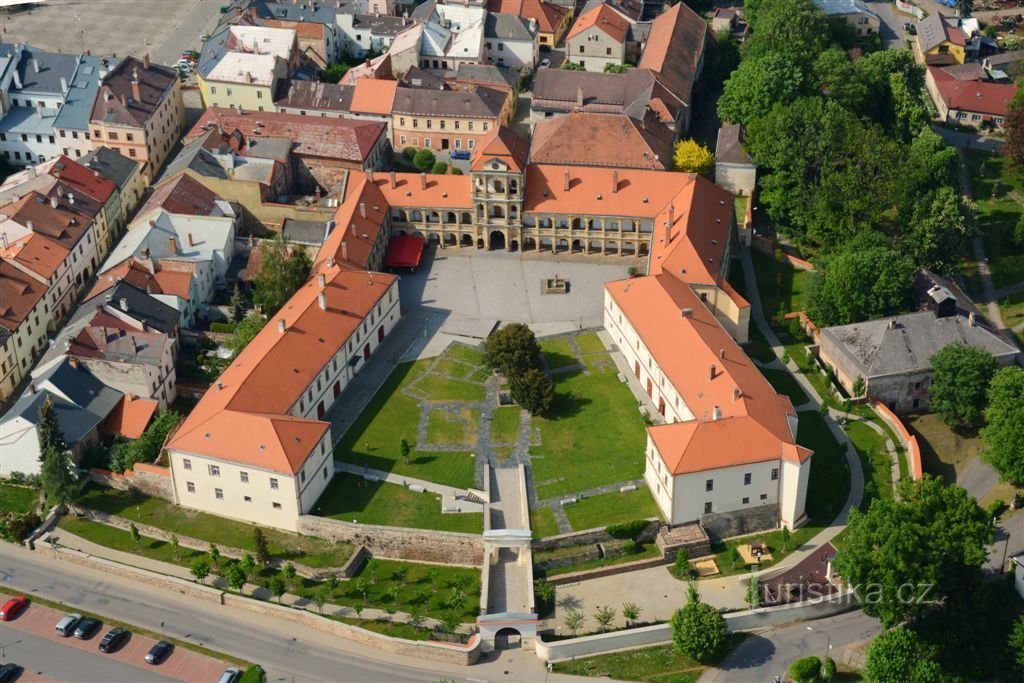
point(893, 355)
point(598, 38)
point(733, 168)
point(72, 121)
point(139, 113)
point(241, 66)
point(1009, 63)
point(377, 68)
point(582, 139)
point(314, 23)
point(315, 98)
point(125, 173)
point(863, 20)
point(511, 41)
point(552, 20)
point(447, 119)
point(24, 314)
point(674, 54)
point(176, 284)
point(451, 35)
point(940, 40)
point(470, 76)
point(129, 300)
point(630, 10)
point(369, 34)
point(973, 103)
point(186, 195)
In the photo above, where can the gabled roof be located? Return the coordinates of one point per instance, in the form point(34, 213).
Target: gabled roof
point(81, 94)
point(372, 96)
point(982, 97)
point(729, 148)
point(63, 224)
point(548, 15)
point(632, 93)
point(379, 67)
point(37, 253)
point(477, 103)
point(19, 294)
point(674, 49)
point(38, 70)
point(111, 165)
point(844, 7)
point(155, 82)
point(130, 417)
point(185, 195)
point(508, 27)
point(631, 10)
point(603, 18)
point(502, 143)
point(136, 304)
point(316, 95)
point(581, 139)
point(934, 30)
point(79, 179)
point(137, 273)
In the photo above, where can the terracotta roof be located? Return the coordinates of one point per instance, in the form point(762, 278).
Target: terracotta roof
point(39, 254)
point(502, 143)
point(61, 224)
point(582, 139)
point(81, 180)
point(130, 417)
point(548, 16)
point(372, 96)
point(638, 193)
point(973, 96)
point(476, 103)
point(603, 18)
point(345, 139)
point(19, 294)
point(417, 190)
point(183, 194)
point(377, 68)
point(154, 81)
point(138, 275)
point(674, 49)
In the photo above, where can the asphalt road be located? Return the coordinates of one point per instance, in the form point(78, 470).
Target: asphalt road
point(893, 36)
point(62, 663)
point(764, 656)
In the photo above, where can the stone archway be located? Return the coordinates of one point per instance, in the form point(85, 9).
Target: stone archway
point(497, 239)
point(508, 638)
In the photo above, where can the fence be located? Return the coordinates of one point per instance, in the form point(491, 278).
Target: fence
point(908, 440)
point(912, 10)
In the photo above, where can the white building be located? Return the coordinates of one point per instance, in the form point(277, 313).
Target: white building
point(511, 41)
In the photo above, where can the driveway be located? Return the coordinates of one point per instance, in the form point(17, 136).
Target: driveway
point(893, 35)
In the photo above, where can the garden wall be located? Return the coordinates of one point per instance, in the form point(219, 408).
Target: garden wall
point(741, 522)
point(908, 440)
point(611, 570)
point(593, 537)
point(420, 545)
point(150, 480)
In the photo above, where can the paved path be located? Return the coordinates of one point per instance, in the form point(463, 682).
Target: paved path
point(968, 140)
point(977, 478)
point(509, 589)
point(980, 257)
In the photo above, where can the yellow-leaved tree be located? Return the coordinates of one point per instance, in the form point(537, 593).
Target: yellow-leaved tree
point(692, 157)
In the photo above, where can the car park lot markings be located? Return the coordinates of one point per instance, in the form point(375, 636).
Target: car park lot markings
point(182, 664)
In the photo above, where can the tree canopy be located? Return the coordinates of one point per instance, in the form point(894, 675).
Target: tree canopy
point(56, 469)
point(513, 349)
point(698, 629)
point(960, 379)
point(899, 656)
point(692, 157)
point(758, 85)
point(532, 390)
point(1013, 126)
point(1003, 436)
point(283, 270)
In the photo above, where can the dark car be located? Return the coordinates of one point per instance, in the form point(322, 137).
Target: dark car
point(86, 628)
point(13, 607)
point(9, 672)
point(115, 638)
point(461, 154)
point(159, 652)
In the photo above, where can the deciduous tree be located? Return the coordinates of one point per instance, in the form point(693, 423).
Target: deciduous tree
point(692, 157)
point(532, 390)
point(758, 84)
point(574, 620)
point(278, 586)
point(200, 568)
point(960, 379)
point(424, 160)
point(698, 629)
point(898, 655)
point(1013, 126)
point(939, 231)
point(513, 349)
point(235, 575)
point(1003, 436)
point(283, 270)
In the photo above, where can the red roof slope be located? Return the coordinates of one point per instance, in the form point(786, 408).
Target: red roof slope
point(605, 19)
point(975, 96)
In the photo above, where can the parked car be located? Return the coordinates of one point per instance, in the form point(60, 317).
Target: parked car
point(159, 652)
point(545, 63)
point(13, 607)
point(87, 627)
point(115, 638)
point(461, 154)
point(9, 672)
point(232, 675)
point(66, 626)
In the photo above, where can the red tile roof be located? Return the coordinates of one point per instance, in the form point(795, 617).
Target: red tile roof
point(582, 138)
point(415, 190)
point(501, 143)
point(130, 417)
point(547, 15)
point(39, 254)
point(182, 194)
point(81, 180)
point(604, 18)
point(63, 223)
point(973, 96)
point(373, 96)
point(19, 294)
point(674, 49)
point(138, 275)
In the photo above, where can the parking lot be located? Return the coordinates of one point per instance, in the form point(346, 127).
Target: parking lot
point(30, 641)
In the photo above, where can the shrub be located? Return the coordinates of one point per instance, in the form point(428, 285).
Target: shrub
point(532, 390)
point(456, 170)
point(223, 328)
point(828, 669)
point(631, 547)
point(424, 160)
point(410, 153)
point(440, 168)
point(627, 529)
point(254, 674)
point(15, 527)
point(995, 508)
point(805, 670)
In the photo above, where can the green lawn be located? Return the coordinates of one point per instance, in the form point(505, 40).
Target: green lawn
point(611, 508)
point(829, 483)
point(505, 425)
point(784, 383)
point(661, 664)
point(442, 388)
point(944, 451)
point(350, 498)
point(391, 416)
point(118, 539)
point(308, 550)
point(874, 459)
point(453, 429)
point(589, 342)
point(757, 347)
point(646, 552)
point(452, 368)
point(558, 353)
point(465, 354)
point(543, 524)
point(593, 435)
point(773, 539)
point(780, 285)
point(993, 183)
point(19, 499)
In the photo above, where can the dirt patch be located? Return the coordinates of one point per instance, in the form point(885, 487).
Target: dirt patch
point(944, 452)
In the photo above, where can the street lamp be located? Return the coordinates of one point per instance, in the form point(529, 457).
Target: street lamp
point(828, 648)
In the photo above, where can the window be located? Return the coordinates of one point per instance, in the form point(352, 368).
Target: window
point(415, 123)
point(74, 134)
point(131, 153)
point(302, 477)
point(608, 51)
point(325, 473)
point(273, 483)
point(186, 463)
point(707, 508)
point(96, 134)
point(430, 124)
point(190, 486)
point(775, 474)
point(112, 136)
point(764, 496)
point(746, 501)
point(501, 47)
point(426, 142)
point(470, 125)
point(277, 506)
point(229, 92)
point(248, 499)
point(746, 479)
point(458, 143)
point(581, 49)
point(214, 470)
point(213, 90)
point(129, 137)
point(402, 140)
point(244, 476)
point(709, 485)
point(259, 94)
point(218, 494)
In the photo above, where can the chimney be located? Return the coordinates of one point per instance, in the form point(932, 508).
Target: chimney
point(369, 175)
point(713, 371)
point(394, 180)
point(124, 304)
point(687, 312)
point(565, 181)
point(280, 325)
point(190, 242)
point(136, 95)
point(145, 61)
point(31, 388)
point(736, 394)
point(35, 65)
point(721, 353)
point(344, 250)
point(321, 299)
point(17, 80)
point(716, 413)
point(892, 323)
point(321, 280)
point(30, 225)
point(53, 202)
point(172, 244)
point(970, 319)
point(362, 208)
point(669, 223)
point(579, 96)
point(71, 198)
point(220, 385)
point(124, 100)
point(64, 85)
point(615, 181)
point(73, 362)
point(423, 181)
point(32, 174)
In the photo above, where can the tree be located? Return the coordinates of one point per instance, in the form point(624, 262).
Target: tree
point(358, 609)
point(259, 541)
point(692, 157)
point(682, 568)
point(939, 232)
point(404, 448)
point(361, 586)
point(371, 567)
point(332, 582)
point(1002, 437)
point(235, 575)
point(513, 349)
point(277, 586)
point(569, 65)
point(215, 555)
point(175, 546)
point(828, 669)
point(866, 279)
point(1013, 127)
point(899, 656)
point(200, 568)
point(56, 472)
point(611, 68)
point(794, 26)
point(334, 73)
point(532, 390)
point(574, 621)
point(753, 596)
point(858, 387)
point(246, 331)
point(237, 305)
point(424, 160)
point(805, 670)
point(248, 565)
point(431, 576)
point(960, 379)
point(698, 629)
point(439, 168)
point(401, 573)
point(1016, 643)
point(133, 532)
point(283, 270)
point(759, 84)
point(319, 599)
point(631, 612)
point(965, 7)
point(391, 594)
point(289, 572)
point(544, 591)
point(907, 554)
point(450, 622)
point(416, 617)
point(604, 616)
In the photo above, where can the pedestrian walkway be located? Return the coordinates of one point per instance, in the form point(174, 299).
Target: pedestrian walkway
point(510, 586)
point(452, 499)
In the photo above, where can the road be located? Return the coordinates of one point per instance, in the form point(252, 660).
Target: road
point(62, 663)
point(764, 656)
point(201, 18)
point(288, 651)
point(893, 36)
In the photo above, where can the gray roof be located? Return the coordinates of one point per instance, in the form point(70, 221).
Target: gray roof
point(309, 11)
point(416, 77)
point(840, 7)
point(28, 120)
point(507, 27)
point(486, 73)
point(380, 25)
point(479, 103)
point(195, 157)
point(729, 149)
point(931, 31)
point(140, 306)
point(74, 115)
point(41, 71)
point(112, 165)
point(305, 232)
point(1005, 58)
point(906, 343)
point(316, 95)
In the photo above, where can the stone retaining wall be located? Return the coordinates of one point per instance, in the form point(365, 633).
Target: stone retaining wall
point(741, 522)
point(149, 480)
point(393, 543)
point(611, 570)
point(593, 536)
point(907, 440)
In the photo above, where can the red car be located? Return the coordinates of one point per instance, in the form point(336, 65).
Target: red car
point(13, 607)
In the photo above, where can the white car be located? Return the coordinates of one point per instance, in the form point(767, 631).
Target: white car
point(545, 63)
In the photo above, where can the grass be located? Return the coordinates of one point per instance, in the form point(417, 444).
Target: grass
point(992, 185)
point(452, 368)
point(593, 435)
point(466, 354)
point(829, 483)
point(611, 508)
point(448, 429)
point(119, 539)
point(349, 498)
point(661, 664)
point(18, 499)
point(505, 425)
point(308, 550)
point(874, 459)
point(1011, 309)
point(781, 286)
point(757, 347)
point(647, 552)
point(543, 524)
point(784, 383)
point(589, 342)
point(944, 452)
point(391, 416)
point(436, 387)
point(773, 539)
point(558, 353)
